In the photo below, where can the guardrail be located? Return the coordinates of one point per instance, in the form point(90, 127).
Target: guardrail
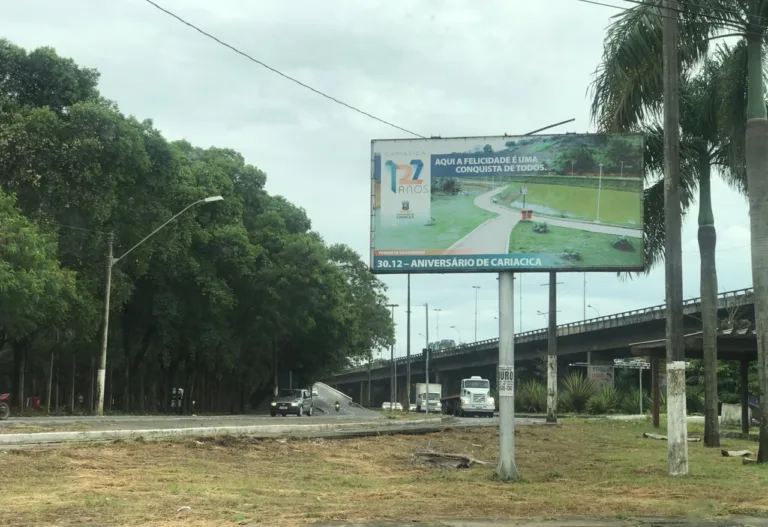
point(580, 326)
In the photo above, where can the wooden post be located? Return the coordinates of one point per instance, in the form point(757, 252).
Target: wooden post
point(745, 396)
point(655, 389)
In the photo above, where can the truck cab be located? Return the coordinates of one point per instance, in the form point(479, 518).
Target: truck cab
point(474, 399)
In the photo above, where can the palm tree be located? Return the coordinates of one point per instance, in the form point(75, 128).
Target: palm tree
point(627, 96)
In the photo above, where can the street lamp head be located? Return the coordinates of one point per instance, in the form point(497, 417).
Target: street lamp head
point(209, 199)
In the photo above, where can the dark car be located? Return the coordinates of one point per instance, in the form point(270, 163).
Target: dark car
point(295, 402)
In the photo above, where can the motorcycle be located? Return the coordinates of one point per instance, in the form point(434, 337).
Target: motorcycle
point(337, 406)
point(5, 406)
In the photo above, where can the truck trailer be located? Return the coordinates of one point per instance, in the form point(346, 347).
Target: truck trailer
point(474, 399)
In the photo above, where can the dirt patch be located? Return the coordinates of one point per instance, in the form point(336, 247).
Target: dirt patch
point(593, 469)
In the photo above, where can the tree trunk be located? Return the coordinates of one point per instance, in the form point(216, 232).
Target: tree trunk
point(677, 429)
point(707, 244)
point(50, 384)
point(92, 390)
point(58, 389)
point(72, 386)
point(22, 350)
point(141, 391)
point(757, 184)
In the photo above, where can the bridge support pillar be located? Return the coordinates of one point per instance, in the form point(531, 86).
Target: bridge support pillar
point(656, 390)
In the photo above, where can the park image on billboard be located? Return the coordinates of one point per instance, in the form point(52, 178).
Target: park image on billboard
point(568, 202)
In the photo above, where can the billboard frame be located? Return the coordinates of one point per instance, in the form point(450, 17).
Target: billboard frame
point(570, 269)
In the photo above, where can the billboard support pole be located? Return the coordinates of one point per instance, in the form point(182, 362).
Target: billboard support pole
point(506, 469)
point(552, 351)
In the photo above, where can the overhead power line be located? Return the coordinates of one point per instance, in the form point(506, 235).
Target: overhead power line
point(285, 76)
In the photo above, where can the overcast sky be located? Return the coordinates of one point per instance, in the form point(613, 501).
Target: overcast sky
point(448, 68)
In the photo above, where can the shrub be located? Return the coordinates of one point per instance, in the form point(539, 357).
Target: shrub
point(623, 243)
point(631, 402)
point(541, 227)
point(571, 254)
point(577, 389)
point(606, 400)
point(532, 397)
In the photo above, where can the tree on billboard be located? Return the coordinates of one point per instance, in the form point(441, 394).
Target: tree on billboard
point(712, 116)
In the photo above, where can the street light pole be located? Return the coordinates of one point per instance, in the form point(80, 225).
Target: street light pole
point(392, 361)
point(111, 261)
point(476, 288)
point(426, 359)
point(437, 324)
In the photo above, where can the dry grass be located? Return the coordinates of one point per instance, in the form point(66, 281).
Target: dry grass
point(16, 428)
point(589, 469)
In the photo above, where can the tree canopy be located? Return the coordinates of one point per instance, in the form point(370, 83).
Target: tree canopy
point(209, 304)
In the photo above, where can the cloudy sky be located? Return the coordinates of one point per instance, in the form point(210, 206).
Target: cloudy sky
point(448, 68)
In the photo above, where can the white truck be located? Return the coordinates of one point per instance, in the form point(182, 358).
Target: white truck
point(474, 399)
point(435, 392)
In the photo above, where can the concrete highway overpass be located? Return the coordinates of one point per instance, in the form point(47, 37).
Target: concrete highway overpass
point(605, 338)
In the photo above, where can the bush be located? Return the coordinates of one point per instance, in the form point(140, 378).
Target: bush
point(605, 401)
point(541, 227)
point(623, 243)
point(571, 254)
point(631, 402)
point(577, 389)
point(532, 397)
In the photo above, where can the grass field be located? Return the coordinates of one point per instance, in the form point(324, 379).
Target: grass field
point(454, 217)
point(595, 469)
point(595, 248)
point(616, 207)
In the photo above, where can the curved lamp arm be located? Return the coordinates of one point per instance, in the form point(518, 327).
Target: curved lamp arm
point(182, 211)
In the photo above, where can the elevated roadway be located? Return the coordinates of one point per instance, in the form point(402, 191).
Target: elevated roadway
point(604, 337)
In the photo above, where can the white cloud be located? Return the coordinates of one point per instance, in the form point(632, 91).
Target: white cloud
point(438, 68)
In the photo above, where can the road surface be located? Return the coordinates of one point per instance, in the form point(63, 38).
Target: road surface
point(492, 237)
point(326, 397)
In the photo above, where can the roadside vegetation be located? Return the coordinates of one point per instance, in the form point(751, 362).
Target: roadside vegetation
point(586, 469)
point(209, 304)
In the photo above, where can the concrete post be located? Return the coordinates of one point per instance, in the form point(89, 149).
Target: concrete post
point(744, 370)
point(506, 469)
point(552, 351)
point(677, 443)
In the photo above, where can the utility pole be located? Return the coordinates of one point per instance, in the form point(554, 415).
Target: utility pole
point(677, 428)
point(552, 350)
point(426, 359)
point(370, 376)
point(102, 371)
point(437, 325)
point(408, 350)
point(392, 363)
point(505, 379)
point(476, 288)
point(584, 307)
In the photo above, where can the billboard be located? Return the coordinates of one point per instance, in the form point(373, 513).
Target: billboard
point(568, 202)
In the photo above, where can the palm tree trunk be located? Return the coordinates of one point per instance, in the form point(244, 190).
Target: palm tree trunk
point(757, 183)
point(707, 243)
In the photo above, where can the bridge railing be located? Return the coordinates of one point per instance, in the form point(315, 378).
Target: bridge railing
point(568, 328)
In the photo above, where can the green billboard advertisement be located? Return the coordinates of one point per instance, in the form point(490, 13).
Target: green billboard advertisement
point(568, 202)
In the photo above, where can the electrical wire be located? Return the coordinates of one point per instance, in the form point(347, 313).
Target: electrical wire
point(726, 23)
point(278, 72)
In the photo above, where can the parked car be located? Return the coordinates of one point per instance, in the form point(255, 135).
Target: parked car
point(294, 402)
point(394, 406)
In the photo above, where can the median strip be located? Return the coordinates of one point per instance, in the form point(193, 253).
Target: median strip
point(252, 430)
